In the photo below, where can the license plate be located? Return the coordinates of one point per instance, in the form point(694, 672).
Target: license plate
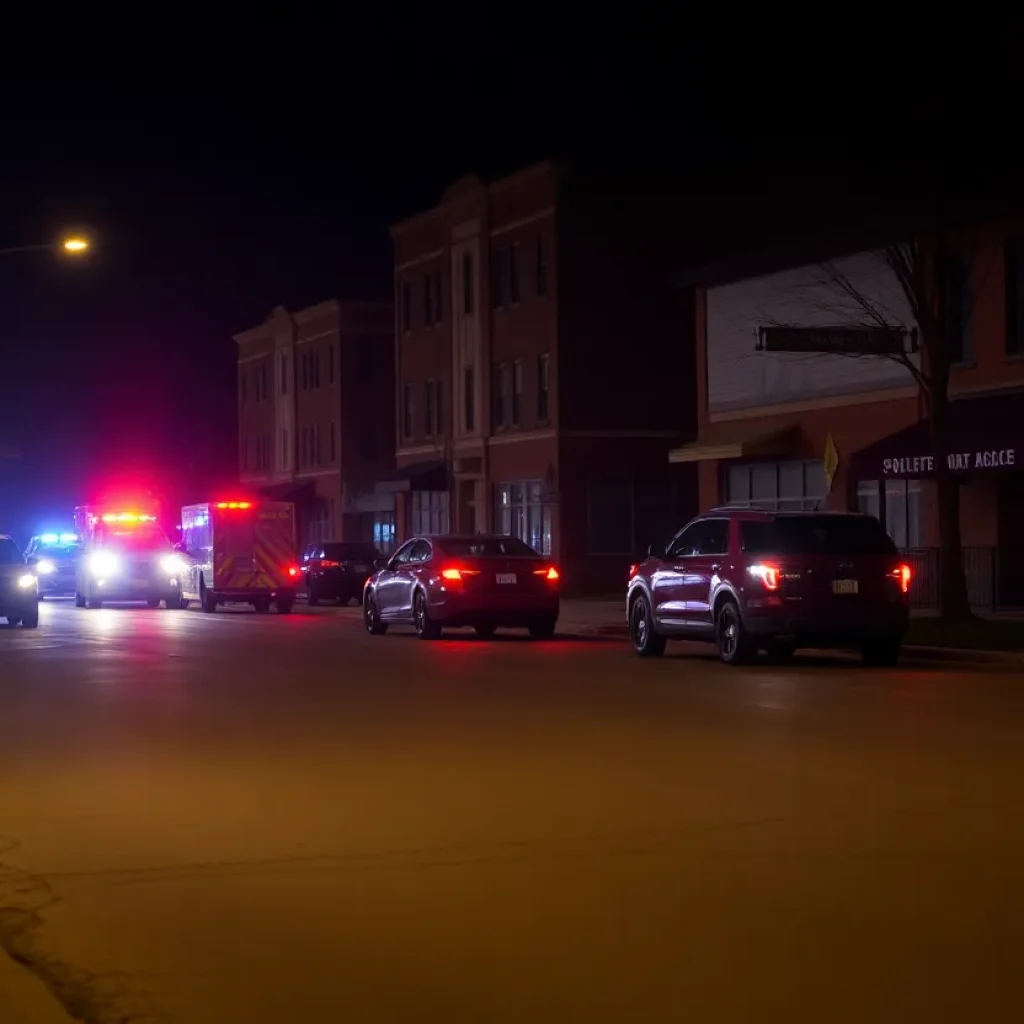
point(506, 577)
point(844, 586)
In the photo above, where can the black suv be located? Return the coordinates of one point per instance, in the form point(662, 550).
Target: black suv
point(337, 570)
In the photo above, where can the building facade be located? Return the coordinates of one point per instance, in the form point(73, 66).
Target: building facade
point(808, 370)
point(539, 384)
point(316, 416)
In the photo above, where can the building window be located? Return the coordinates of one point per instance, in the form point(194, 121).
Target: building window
point(330, 365)
point(284, 447)
point(517, 393)
point(438, 303)
point(429, 513)
point(542, 267)
point(960, 297)
point(428, 300)
point(901, 514)
point(499, 401)
point(384, 532)
point(316, 369)
point(499, 270)
point(520, 511)
point(781, 486)
point(467, 283)
point(407, 410)
point(334, 441)
point(543, 406)
point(318, 435)
point(428, 408)
point(1013, 265)
point(406, 306)
point(304, 370)
point(284, 373)
point(513, 274)
point(469, 399)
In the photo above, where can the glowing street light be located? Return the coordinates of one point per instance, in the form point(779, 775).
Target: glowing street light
point(75, 245)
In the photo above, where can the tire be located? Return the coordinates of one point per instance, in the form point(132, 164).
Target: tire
point(284, 605)
point(176, 600)
point(206, 600)
point(79, 599)
point(883, 653)
point(543, 629)
point(13, 620)
point(371, 617)
point(262, 605)
point(30, 620)
point(731, 636)
point(426, 628)
point(312, 597)
point(780, 652)
point(646, 641)
point(486, 630)
point(153, 602)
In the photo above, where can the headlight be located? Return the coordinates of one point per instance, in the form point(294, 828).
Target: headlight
point(173, 565)
point(102, 563)
point(27, 581)
point(44, 567)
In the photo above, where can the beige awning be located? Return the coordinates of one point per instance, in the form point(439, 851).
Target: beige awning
point(739, 441)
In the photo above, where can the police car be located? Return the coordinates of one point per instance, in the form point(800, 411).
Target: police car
point(54, 560)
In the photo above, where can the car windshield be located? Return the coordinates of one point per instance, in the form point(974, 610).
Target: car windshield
point(486, 547)
point(133, 538)
point(9, 553)
point(817, 535)
point(57, 550)
point(346, 552)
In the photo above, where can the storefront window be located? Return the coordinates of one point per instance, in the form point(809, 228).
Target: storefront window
point(903, 512)
point(521, 512)
point(429, 513)
point(869, 500)
point(384, 532)
point(786, 486)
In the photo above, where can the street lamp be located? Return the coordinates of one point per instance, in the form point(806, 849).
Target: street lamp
point(68, 245)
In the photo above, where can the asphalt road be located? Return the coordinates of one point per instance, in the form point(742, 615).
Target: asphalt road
point(236, 817)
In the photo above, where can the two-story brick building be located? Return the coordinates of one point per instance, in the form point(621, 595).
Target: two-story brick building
point(771, 392)
point(315, 416)
point(542, 373)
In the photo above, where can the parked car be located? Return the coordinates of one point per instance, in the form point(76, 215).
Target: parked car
point(337, 571)
point(749, 580)
point(19, 586)
point(487, 582)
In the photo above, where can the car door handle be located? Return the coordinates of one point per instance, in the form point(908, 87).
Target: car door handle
point(716, 568)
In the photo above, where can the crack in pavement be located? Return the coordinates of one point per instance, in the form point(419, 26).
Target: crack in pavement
point(86, 997)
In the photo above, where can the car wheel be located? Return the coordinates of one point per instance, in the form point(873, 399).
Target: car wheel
point(153, 602)
point(543, 629)
point(486, 630)
point(646, 642)
point(312, 597)
point(780, 652)
point(79, 599)
point(283, 605)
point(371, 617)
point(733, 643)
point(262, 605)
point(13, 620)
point(882, 653)
point(206, 600)
point(426, 628)
point(30, 620)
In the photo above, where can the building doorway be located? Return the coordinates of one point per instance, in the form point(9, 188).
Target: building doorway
point(1010, 552)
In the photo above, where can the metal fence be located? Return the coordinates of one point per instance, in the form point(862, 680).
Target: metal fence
point(981, 566)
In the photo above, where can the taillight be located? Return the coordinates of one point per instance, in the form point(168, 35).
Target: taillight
point(767, 574)
point(455, 573)
point(902, 574)
point(633, 570)
point(293, 570)
point(550, 573)
point(326, 563)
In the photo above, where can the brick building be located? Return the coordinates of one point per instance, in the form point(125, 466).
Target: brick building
point(316, 416)
point(764, 416)
point(539, 381)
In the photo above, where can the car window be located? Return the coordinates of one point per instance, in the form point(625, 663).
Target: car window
point(714, 538)
point(404, 553)
point(817, 535)
point(486, 547)
point(420, 552)
point(686, 543)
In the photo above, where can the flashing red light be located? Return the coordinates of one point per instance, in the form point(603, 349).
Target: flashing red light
point(767, 574)
point(455, 573)
point(903, 574)
point(550, 573)
point(327, 563)
point(234, 504)
point(293, 570)
point(126, 517)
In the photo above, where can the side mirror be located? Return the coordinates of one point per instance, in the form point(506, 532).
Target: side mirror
point(379, 563)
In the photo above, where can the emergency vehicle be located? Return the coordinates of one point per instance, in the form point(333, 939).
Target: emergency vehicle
point(125, 556)
point(240, 552)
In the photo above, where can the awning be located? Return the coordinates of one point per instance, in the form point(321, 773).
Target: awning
point(739, 441)
point(420, 476)
point(985, 434)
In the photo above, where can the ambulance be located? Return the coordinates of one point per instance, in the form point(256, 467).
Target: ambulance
point(240, 552)
point(125, 556)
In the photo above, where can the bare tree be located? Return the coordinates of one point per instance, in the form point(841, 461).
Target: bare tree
point(926, 271)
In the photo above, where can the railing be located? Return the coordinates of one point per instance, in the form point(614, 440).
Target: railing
point(981, 566)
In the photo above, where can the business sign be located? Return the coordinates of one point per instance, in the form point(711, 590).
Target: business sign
point(841, 341)
point(959, 462)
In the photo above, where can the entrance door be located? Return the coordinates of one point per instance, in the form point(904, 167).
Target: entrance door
point(1010, 554)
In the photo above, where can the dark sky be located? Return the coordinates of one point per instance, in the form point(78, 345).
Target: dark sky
point(214, 202)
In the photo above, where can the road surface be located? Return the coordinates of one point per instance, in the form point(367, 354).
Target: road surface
point(230, 818)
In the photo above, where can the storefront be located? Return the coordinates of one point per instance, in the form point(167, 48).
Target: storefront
point(894, 480)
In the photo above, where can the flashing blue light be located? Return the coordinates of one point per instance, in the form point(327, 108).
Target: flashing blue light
point(69, 538)
point(50, 538)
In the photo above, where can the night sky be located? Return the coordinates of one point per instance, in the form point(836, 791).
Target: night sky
point(212, 205)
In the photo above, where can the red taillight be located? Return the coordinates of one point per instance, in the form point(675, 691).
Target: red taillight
point(293, 570)
point(234, 504)
point(326, 563)
point(550, 573)
point(456, 573)
point(902, 574)
point(767, 574)
point(633, 570)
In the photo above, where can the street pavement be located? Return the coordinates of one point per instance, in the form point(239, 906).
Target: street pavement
point(238, 817)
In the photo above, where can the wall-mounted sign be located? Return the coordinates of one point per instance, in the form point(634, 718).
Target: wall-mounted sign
point(958, 462)
point(844, 341)
point(831, 461)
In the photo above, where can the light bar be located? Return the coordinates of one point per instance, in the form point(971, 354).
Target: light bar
point(126, 517)
point(234, 504)
point(69, 538)
point(49, 538)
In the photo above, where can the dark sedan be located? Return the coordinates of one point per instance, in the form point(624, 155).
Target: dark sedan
point(488, 582)
point(337, 571)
